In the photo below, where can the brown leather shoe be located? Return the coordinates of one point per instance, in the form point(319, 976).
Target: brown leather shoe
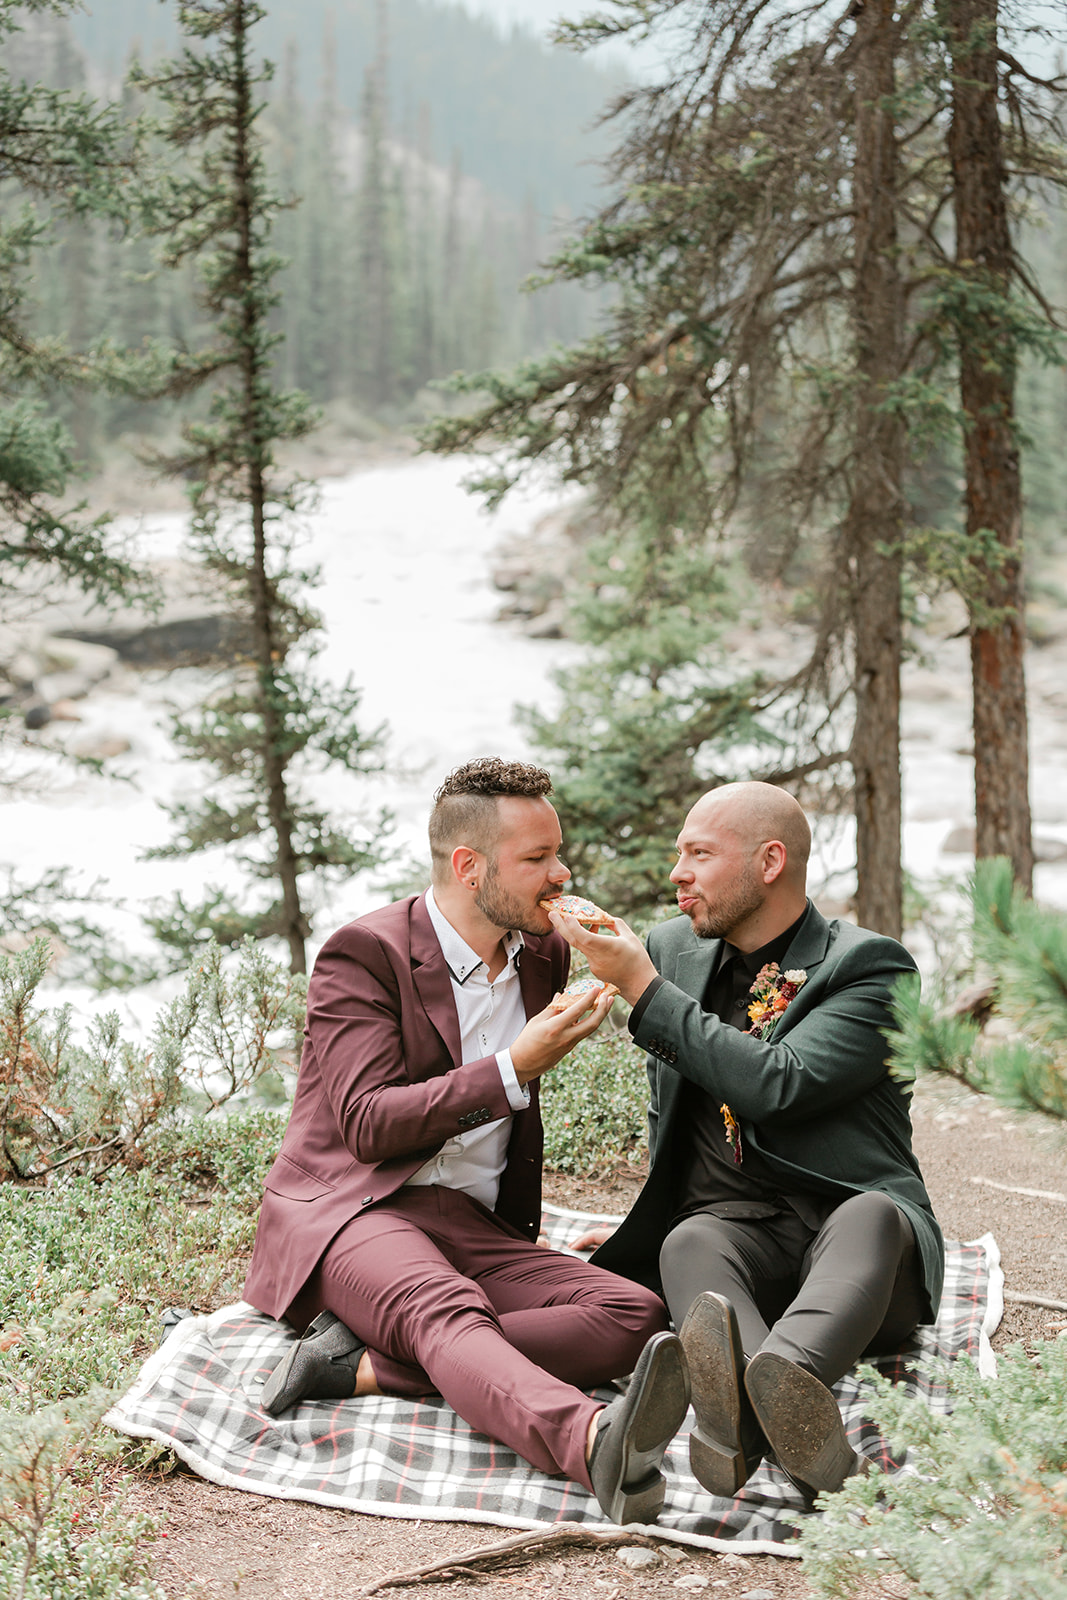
point(726, 1446)
point(802, 1422)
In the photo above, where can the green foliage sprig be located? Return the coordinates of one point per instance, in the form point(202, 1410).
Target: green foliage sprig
point(981, 1512)
point(55, 1543)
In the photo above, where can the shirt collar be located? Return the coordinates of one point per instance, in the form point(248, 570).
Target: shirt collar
point(460, 959)
point(773, 951)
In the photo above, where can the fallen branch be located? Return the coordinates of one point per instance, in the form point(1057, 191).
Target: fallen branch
point(505, 1552)
point(1035, 1300)
point(1031, 1194)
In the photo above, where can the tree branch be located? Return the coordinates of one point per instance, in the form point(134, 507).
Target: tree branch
point(1013, 65)
point(522, 1546)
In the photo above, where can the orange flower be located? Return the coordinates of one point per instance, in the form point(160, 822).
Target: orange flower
point(733, 1132)
point(771, 994)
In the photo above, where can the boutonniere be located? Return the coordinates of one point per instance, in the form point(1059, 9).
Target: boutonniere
point(733, 1132)
point(771, 993)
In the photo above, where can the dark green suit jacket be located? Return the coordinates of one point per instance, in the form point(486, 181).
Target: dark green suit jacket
point(816, 1099)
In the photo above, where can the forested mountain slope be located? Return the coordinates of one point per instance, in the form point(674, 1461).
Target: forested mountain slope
point(518, 113)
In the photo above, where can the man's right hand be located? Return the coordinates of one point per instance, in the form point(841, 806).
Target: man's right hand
point(551, 1035)
point(593, 1239)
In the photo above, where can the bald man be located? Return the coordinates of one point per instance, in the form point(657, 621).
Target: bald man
point(784, 1218)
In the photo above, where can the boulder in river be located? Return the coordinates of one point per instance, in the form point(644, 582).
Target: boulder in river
point(204, 641)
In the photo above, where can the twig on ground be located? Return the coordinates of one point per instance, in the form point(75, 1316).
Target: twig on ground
point(1035, 1300)
point(1031, 1194)
point(506, 1552)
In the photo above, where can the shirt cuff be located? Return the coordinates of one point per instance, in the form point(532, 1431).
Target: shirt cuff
point(518, 1094)
point(641, 1004)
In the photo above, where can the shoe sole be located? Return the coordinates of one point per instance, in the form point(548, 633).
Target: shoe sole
point(660, 1386)
point(716, 1361)
point(799, 1415)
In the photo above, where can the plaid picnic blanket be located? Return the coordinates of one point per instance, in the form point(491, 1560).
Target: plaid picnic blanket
point(199, 1394)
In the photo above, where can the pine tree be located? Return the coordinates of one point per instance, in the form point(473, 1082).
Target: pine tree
point(777, 333)
point(63, 157)
point(276, 726)
point(648, 719)
point(989, 343)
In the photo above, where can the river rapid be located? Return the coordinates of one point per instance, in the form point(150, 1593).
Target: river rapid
point(409, 614)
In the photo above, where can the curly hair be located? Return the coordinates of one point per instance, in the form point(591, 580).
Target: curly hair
point(465, 806)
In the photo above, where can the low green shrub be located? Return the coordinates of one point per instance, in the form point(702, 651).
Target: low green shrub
point(983, 1513)
point(70, 1105)
point(1022, 949)
point(89, 1263)
point(595, 1106)
point(57, 1540)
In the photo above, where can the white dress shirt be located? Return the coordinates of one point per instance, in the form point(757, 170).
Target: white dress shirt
point(491, 1016)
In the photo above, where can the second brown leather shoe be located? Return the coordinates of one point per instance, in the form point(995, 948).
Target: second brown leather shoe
point(726, 1446)
point(801, 1420)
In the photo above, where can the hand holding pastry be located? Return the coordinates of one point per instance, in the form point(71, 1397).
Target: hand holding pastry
point(589, 986)
point(619, 958)
point(554, 1032)
point(583, 911)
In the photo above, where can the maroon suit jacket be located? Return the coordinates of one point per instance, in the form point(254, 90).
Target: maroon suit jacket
point(381, 1089)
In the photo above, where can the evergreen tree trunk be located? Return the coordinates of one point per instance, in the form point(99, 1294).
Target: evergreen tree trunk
point(875, 509)
point(993, 480)
point(254, 383)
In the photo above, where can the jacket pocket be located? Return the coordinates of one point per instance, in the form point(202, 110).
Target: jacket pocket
point(293, 1183)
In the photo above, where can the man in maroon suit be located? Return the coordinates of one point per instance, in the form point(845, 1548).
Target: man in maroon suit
point(400, 1218)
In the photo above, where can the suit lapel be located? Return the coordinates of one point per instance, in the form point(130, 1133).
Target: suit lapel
point(694, 968)
point(810, 942)
point(432, 980)
point(430, 972)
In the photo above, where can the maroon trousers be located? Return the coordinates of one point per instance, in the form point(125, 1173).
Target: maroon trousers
point(451, 1300)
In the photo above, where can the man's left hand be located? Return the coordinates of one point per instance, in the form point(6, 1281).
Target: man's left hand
point(621, 960)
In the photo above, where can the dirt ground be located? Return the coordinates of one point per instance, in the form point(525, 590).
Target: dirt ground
point(978, 1159)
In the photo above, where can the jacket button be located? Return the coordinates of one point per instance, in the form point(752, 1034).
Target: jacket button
point(367, 1198)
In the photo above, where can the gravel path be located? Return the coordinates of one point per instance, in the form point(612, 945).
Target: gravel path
point(976, 1157)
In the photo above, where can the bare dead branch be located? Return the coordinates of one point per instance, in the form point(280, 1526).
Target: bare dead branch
point(1035, 1300)
point(1032, 1194)
point(507, 1552)
point(1008, 60)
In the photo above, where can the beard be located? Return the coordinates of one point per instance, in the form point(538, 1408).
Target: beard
point(505, 910)
point(741, 901)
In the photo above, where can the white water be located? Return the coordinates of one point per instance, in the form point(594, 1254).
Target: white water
point(409, 614)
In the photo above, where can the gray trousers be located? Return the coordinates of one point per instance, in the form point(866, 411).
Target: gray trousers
point(821, 1299)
